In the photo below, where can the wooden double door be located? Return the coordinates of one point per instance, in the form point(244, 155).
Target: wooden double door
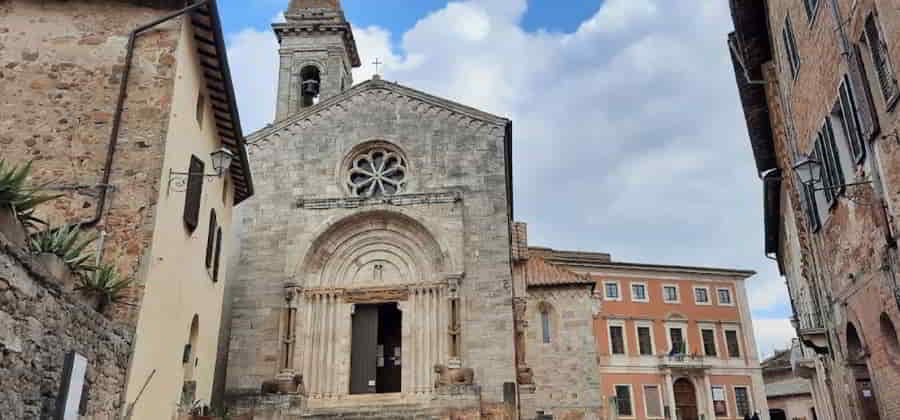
point(685, 400)
point(376, 349)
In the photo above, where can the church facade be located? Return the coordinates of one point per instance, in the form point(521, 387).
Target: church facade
point(380, 273)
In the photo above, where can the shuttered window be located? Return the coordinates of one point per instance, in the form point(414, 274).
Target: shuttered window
point(616, 340)
point(709, 342)
point(790, 47)
point(810, 6)
point(862, 93)
point(645, 341)
point(211, 238)
point(808, 195)
point(731, 339)
point(194, 193)
point(850, 121)
point(653, 401)
point(217, 262)
point(623, 400)
point(826, 151)
point(881, 59)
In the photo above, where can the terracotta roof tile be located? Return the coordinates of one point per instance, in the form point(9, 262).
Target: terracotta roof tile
point(542, 273)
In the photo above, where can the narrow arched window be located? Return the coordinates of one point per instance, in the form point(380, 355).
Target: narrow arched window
point(211, 238)
point(545, 324)
point(218, 256)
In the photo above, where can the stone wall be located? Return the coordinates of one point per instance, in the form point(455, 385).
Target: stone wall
point(39, 324)
point(848, 262)
point(447, 150)
point(61, 65)
point(566, 378)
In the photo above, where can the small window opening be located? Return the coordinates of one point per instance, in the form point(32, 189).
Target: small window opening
point(310, 83)
point(545, 325)
point(201, 107)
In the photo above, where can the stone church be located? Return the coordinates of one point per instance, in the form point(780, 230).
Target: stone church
point(376, 275)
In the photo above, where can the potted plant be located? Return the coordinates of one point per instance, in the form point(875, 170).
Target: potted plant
point(103, 287)
point(17, 203)
point(62, 251)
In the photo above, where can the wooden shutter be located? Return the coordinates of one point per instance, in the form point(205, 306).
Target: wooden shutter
point(790, 47)
point(808, 196)
point(194, 193)
point(851, 121)
point(211, 238)
point(644, 343)
point(881, 58)
point(832, 162)
point(865, 107)
point(734, 350)
point(217, 262)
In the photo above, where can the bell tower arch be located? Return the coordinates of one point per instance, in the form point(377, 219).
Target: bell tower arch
point(317, 54)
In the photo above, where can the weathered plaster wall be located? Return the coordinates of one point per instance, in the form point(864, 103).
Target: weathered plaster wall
point(178, 286)
point(60, 70)
point(847, 261)
point(39, 324)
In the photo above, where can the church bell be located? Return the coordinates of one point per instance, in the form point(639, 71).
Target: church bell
point(310, 87)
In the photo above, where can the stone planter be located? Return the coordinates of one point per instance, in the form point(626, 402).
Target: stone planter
point(11, 228)
point(59, 270)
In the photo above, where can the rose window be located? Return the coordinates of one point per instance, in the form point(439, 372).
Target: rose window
point(378, 172)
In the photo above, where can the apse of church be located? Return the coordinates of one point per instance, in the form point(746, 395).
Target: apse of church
point(375, 257)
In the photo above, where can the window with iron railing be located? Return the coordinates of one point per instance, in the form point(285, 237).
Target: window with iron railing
point(881, 59)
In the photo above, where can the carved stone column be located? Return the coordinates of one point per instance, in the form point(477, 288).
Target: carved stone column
point(454, 325)
point(524, 375)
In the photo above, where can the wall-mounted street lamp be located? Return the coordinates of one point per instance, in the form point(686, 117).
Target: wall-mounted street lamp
point(809, 169)
point(221, 161)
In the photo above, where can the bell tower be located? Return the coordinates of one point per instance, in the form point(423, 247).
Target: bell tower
point(317, 54)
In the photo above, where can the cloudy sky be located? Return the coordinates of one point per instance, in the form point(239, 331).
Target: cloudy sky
point(629, 136)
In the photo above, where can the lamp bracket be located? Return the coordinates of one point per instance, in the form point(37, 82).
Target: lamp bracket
point(178, 181)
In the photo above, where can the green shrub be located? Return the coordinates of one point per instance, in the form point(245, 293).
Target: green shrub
point(105, 283)
point(17, 195)
point(67, 243)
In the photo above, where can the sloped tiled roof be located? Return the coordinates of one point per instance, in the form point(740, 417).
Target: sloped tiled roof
point(540, 273)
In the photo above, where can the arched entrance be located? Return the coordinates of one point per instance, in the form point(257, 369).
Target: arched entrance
point(376, 312)
point(862, 378)
point(685, 400)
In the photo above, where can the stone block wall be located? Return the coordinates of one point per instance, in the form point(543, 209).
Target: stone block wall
point(61, 65)
point(447, 151)
point(566, 377)
point(39, 325)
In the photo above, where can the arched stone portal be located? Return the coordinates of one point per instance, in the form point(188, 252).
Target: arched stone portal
point(366, 280)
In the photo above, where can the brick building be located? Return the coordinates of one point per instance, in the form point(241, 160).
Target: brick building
point(121, 106)
point(819, 90)
point(643, 341)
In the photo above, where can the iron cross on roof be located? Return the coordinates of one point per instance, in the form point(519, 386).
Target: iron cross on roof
point(377, 63)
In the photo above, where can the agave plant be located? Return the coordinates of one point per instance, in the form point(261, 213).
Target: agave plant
point(65, 242)
point(105, 283)
point(16, 194)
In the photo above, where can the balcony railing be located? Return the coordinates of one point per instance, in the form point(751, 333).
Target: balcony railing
point(683, 361)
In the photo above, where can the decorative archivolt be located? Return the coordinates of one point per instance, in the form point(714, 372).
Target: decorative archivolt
point(371, 249)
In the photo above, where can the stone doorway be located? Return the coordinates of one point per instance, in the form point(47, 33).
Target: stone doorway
point(685, 400)
point(376, 348)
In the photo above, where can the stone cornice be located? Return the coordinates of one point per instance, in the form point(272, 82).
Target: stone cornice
point(395, 200)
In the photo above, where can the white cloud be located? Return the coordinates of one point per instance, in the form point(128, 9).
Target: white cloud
point(772, 334)
point(629, 136)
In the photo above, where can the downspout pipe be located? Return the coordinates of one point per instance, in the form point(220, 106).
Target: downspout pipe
point(120, 109)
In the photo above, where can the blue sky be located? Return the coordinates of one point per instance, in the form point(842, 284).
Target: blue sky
point(629, 136)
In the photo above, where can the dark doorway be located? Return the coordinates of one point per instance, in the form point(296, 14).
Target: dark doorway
point(375, 365)
point(685, 400)
point(777, 414)
point(856, 359)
